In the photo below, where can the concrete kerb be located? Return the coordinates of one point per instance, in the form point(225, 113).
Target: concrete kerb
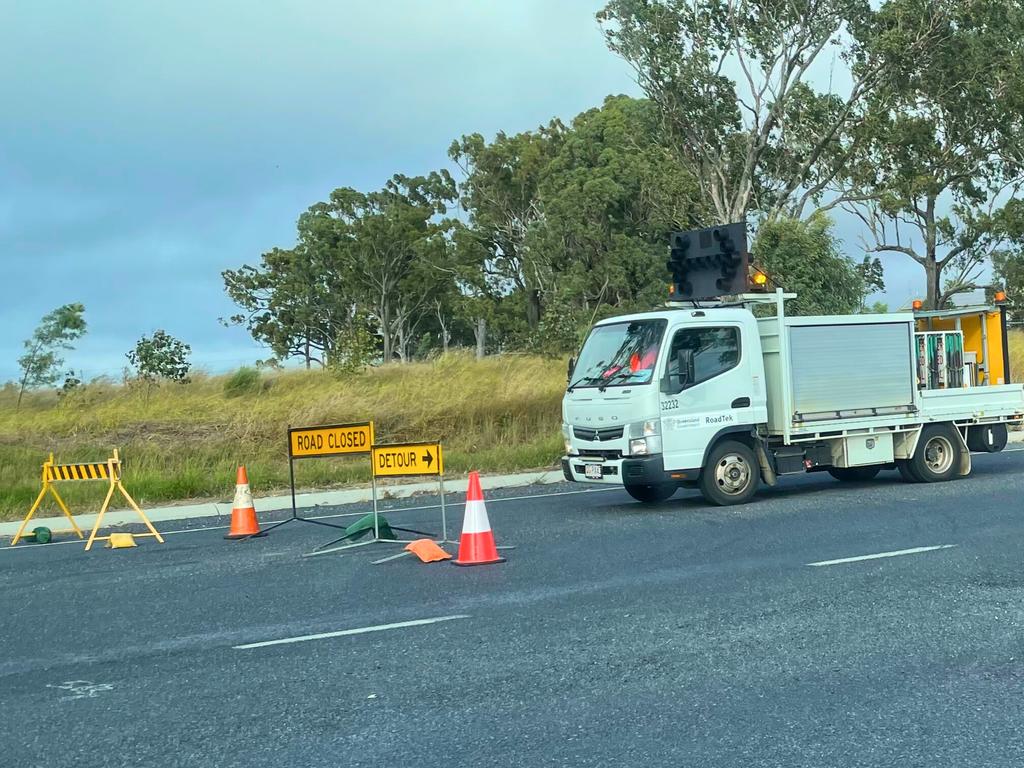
point(303, 500)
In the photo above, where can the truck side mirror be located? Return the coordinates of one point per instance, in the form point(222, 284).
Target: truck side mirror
point(684, 359)
point(674, 384)
point(572, 367)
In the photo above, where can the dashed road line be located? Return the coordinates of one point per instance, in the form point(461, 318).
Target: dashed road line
point(881, 555)
point(357, 631)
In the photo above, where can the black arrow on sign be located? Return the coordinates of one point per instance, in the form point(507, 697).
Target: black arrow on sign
point(428, 458)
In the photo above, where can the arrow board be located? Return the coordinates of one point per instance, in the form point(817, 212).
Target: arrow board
point(407, 460)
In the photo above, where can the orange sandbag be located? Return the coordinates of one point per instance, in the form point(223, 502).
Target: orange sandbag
point(427, 551)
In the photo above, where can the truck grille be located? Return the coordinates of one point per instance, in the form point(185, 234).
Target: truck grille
point(591, 453)
point(597, 435)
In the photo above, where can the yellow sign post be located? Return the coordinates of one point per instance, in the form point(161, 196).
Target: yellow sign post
point(333, 440)
point(108, 471)
point(407, 460)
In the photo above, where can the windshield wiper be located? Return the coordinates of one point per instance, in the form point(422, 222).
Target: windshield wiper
point(577, 383)
point(613, 377)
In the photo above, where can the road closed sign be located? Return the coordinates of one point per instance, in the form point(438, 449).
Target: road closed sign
point(330, 440)
point(406, 460)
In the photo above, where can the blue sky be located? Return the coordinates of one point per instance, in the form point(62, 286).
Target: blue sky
point(145, 147)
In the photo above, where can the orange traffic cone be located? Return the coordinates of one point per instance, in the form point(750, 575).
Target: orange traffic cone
point(243, 513)
point(476, 547)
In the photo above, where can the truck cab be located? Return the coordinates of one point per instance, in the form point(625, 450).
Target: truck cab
point(651, 394)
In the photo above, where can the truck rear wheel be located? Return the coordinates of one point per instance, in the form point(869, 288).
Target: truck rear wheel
point(938, 454)
point(731, 475)
point(906, 471)
point(651, 494)
point(855, 474)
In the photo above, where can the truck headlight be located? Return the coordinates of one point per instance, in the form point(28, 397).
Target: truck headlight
point(567, 440)
point(648, 428)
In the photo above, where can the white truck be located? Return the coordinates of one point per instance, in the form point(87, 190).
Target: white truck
point(719, 399)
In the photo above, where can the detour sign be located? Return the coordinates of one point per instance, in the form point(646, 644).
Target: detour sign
point(305, 442)
point(408, 459)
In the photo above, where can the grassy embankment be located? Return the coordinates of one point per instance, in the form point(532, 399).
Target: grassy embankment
point(184, 442)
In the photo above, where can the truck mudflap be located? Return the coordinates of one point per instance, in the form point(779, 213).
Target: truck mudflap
point(964, 467)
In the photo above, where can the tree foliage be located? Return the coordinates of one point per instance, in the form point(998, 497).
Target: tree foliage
point(938, 162)
point(734, 81)
point(295, 302)
point(803, 257)
point(501, 193)
point(1008, 271)
point(387, 248)
point(160, 357)
point(905, 113)
point(41, 365)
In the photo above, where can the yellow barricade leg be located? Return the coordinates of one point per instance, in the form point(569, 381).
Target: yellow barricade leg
point(99, 517)
point(67, 512)
point(31, 512)
point(141, 514)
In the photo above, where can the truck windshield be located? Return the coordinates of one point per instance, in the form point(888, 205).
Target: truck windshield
point(619, 354)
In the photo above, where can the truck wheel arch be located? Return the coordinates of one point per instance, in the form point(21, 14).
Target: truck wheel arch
point(742, 432)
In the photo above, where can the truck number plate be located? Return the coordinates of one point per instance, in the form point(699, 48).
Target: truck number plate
point(592, 471)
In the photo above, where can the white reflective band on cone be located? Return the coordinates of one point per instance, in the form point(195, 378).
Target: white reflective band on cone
point(243, 497)
point(476, 517)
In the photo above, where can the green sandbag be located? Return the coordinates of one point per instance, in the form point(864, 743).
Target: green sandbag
point(364, 525)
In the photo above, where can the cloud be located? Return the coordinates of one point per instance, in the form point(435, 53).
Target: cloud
point(147, 147)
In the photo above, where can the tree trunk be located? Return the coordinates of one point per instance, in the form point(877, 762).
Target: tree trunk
point(932, 275)
point(532, 307)
point(480, 332)
point(403, 343)
point(446, 335)
point(307, 355)
point(384, 321)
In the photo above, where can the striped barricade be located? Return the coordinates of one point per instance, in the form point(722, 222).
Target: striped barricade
point(108, 471)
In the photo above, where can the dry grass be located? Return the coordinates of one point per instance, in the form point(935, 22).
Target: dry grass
point(1016, 339)
point(184, 442)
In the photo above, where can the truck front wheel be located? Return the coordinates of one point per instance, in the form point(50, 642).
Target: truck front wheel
point(651, 494)
point(938, 454)
point(731, 475)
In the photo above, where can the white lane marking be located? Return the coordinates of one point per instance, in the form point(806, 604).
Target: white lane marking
point(81, 689)
point(358, 631)
point(6, 548)
point(880, 555)
point(389, 558)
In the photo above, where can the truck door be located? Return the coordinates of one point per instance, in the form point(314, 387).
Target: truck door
point(714, 394)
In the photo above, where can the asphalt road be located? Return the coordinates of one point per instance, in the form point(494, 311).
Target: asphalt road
point(615, 635)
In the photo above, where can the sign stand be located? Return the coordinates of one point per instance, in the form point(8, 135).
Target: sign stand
point(318, 442)
point(405, 460)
